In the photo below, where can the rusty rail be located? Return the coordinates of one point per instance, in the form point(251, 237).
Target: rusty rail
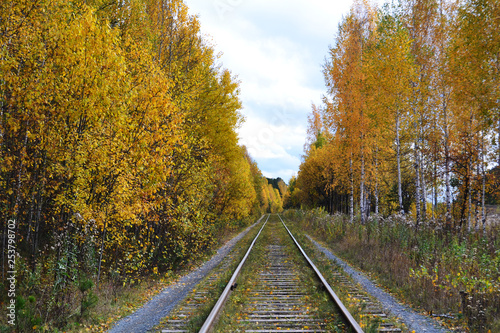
point(352, 322)
point(211, 319)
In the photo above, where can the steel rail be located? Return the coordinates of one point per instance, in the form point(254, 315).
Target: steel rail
point(354, 324)
point(207, 326)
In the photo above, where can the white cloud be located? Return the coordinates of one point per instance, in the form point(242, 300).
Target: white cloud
point(273, 70)
point(275, 147)
point(284, 174)
point(276, 48)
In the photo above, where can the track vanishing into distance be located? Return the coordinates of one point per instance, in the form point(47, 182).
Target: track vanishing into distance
point(280, 296)
point(275, 288)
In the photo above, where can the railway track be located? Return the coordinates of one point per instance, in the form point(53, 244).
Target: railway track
point(274, 288)
point(188, 315)
point(278, 292)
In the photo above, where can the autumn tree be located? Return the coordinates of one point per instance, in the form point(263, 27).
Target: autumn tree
point(411, 113)
point(389, 70)
point(473, 59)
point(119, 155)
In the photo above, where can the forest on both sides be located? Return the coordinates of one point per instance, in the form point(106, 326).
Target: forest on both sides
point(402, 158)
point(119, 157)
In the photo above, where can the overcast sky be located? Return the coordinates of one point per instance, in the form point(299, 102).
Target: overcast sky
point(276, 49)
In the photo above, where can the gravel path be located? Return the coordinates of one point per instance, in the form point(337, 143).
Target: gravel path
point(412, 319)
point(160, 306)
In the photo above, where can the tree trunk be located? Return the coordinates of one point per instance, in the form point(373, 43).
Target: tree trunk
point(398, 156)
point(483, 190)
point(39, 207)
point(447, 167)
point(17, 200)
point(417, 184)
point(1, 151)
point(37, 230)
point(469, 199)
point(19, 176)
point(362, 189)
point(368, 204)
point(30, 217)
point(376, 181)
point(478, 199)
point(423, 195)
point(351, 198)
point(435, 190)
point(102, 249)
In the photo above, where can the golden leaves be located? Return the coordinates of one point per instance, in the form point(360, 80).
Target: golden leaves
point(121, 118)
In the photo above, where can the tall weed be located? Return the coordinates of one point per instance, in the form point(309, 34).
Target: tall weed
point(438, 271)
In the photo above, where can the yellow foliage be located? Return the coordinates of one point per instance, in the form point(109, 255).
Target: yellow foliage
point(117, 135)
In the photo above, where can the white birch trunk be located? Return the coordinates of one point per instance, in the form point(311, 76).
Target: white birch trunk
point(417, 183)
point(478, 196)
point(362, 189)
point(447, 165)
point(398, 156)
point(376, 182)
point(469, 197)
point(483, 190)
point(101, 251)
point(435, 201)
point(351, 195)
point(423, 195)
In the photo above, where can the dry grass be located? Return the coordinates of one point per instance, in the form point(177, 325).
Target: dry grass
point(426, 268)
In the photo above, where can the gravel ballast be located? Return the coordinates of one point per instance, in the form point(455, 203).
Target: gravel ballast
point(160, 305)
point(412, 319)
